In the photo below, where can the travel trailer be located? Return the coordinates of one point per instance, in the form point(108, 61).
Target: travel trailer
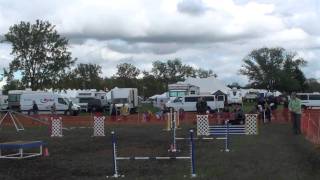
point(188, 103)
point(45, 102)
point(91, 100)
point(234, 96)
point(127, 96)
point(3, 102)
point(14, 98)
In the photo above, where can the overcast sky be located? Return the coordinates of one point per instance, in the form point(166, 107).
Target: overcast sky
point(211, 34)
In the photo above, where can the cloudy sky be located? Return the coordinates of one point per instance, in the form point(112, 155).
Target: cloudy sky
point(211, 34)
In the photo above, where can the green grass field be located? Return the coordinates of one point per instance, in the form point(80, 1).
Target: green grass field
point(275, 154)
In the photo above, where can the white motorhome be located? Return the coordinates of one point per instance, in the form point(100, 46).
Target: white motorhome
point(188, 103)
point(127, 96)
point(45, 101)
point(14, 98)
point(182, 89)
point(309, 99)
point(91, 100)
point(234, 96)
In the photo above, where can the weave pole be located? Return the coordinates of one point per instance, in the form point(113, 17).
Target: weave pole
point(191, 157)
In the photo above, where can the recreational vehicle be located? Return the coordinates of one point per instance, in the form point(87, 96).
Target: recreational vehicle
point(126, 96)
point(188, 103)
point(91, 100)
point(181, 89)
point(45, 102)
point(14, 98)
point(4, 102)
point(234, 96)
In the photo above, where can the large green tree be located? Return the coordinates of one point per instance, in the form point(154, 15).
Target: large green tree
point(40, 54)
point(127, 70)
point(274, 68)
point(85, 76)
point(202, 73)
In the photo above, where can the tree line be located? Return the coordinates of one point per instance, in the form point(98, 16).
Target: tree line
point(42, 58)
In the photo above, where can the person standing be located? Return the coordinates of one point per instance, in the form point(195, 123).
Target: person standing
point(162, 109)
point(124, 111)
point(113, 112)
point(295, 109)
point(198, 106)
point(201, 106)
point(35, 108)
point(53, 109)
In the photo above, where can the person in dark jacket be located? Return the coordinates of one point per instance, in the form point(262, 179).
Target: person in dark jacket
point(201, 106)
point(113, 112)
point(35, 108)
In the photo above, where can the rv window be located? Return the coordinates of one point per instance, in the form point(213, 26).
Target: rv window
point(120, 100)
point(192, 92)
point(61, 101)
point(181, 93)
point(177, 93)
point(208, 98)
point(314, 97)
point(14, 97)
point(220, 98)
point(302, 97)
point(173, 94)
point(85, 100)
point(191, 99)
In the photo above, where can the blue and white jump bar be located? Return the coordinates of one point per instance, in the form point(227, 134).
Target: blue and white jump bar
point(191, 157)
point(221, 129)
point(225, 130)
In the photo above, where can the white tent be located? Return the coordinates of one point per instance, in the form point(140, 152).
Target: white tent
point(208, 85)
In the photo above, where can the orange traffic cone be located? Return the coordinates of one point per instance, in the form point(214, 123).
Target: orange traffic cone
point(46, 152)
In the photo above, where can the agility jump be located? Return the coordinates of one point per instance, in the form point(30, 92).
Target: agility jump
point(191, 157)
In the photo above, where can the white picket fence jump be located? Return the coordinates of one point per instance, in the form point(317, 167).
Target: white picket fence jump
point(98, 126)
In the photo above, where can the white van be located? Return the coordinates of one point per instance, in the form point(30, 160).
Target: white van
point(188, 103)
point(309, 99)
point(45, 100)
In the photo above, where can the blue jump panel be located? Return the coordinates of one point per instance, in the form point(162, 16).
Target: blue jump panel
point(21, 144)
point(222, 129)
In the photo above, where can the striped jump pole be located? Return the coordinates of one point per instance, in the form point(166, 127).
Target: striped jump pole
point(191, 157)
point(226, 141)
point(173, 146)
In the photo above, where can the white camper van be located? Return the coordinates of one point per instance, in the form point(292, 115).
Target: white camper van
point(309, 99)
point(127, 96)
point(188, 103)
point(45, 101)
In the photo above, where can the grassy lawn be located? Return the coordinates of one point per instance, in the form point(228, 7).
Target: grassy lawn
point(275, 154)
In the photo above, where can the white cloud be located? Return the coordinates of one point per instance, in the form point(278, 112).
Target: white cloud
point(211, 34)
